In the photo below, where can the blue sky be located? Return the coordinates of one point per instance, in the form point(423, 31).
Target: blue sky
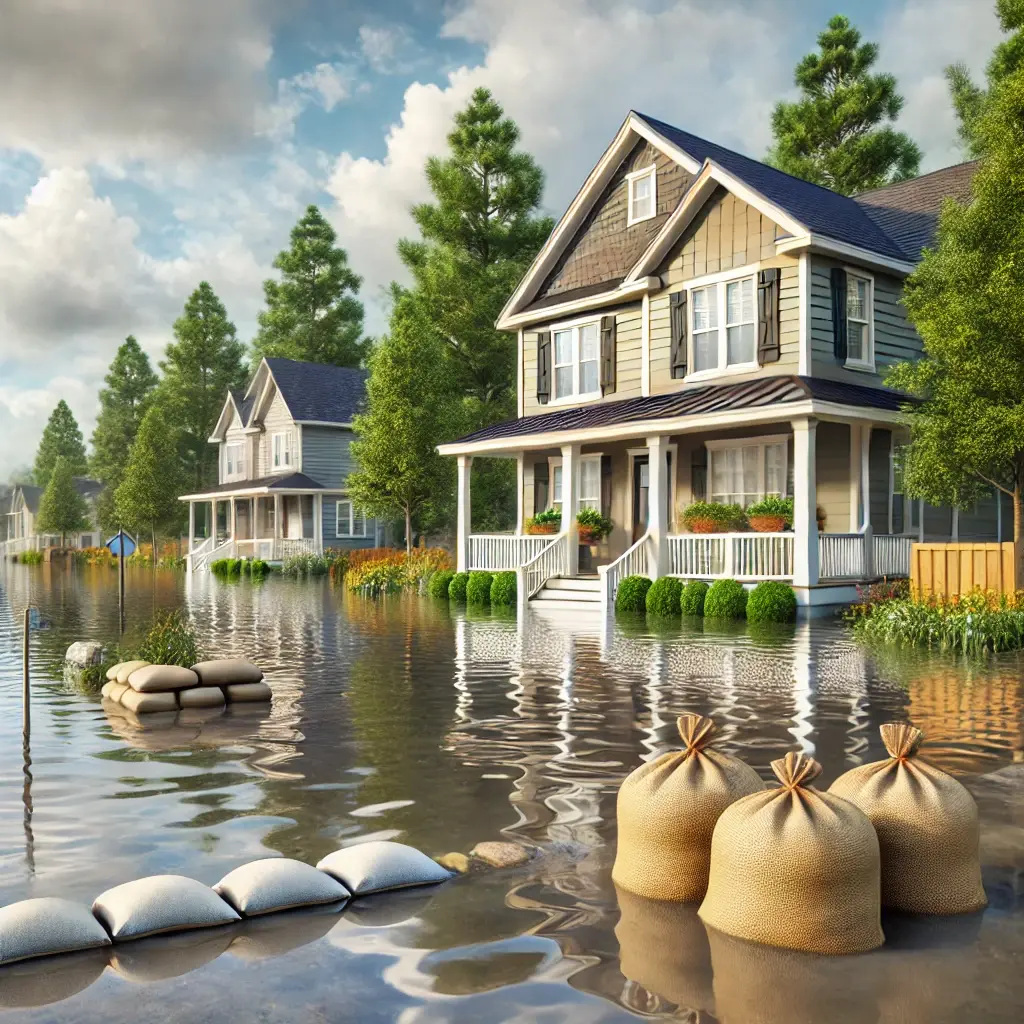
point(147, 145)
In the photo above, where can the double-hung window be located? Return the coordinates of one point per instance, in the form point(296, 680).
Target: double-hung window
point(577, 360)
point(859, 341)
point(234, 460)
point(642, 194)
point(350, 521)
point(281, 450)
point(743, 472)
point(588, 479)
point(723, 325)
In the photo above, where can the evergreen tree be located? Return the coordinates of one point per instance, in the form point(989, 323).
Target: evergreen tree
point(969, 99)
point(834, 135)
point(61, 437)
point(147, 497)
point(200, 365)
point(61, 508)
point(123, 402)
point(312, 311)
point(409, 409)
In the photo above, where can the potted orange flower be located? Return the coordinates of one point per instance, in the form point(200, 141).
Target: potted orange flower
point(712, 517)
point(771, 515)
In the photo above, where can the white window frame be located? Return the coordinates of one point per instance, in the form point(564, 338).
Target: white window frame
point(350, 519)
point(721, 280)
point(234, 470)
point(554, 495)
point(286, 450)
point(868, 362)
point(576, 397)
point(761, 442)
point(651, 171)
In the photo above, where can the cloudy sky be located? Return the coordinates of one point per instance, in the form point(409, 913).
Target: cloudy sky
point(146, 145)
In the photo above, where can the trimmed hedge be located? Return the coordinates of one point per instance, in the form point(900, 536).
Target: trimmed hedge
point(771, 601)
point(632, 594)
point(457, 587)
point(439, 583)
point(691, 601)
point(478, 589)
point(663, 597)
point(726, 599)
point(503, 590)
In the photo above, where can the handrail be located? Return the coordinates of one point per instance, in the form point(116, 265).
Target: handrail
point(632, 562)
point(551, 561)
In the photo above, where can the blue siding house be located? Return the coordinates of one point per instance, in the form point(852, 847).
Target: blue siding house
point(283, 462)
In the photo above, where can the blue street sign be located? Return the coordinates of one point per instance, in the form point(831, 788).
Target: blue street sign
point(115, 544)
point(35, 621)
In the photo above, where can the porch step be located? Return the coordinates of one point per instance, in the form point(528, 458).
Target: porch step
point(578, 593)
point(580, 584)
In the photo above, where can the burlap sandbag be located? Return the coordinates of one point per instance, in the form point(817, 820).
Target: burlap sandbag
point(796, 868)
point(927, 826)
point(667, 810)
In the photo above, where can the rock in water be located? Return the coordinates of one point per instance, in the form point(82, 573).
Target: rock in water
point(454, 862)
point(84, 654)
point(500, 855)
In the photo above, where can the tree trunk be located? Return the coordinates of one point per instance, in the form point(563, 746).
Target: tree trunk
point(408, 530)
point(1018, 521)
point(153, 537)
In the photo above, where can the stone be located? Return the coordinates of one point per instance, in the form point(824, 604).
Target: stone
point(378, 865)
point(202, 697)
point(227, 672)
point(42, 927)
point(114, 690)
point(146, 703)
point(247, 693)
point(277, 883)
point(500, 855)
point(458, 862)
point(84, 654)
point(160, 678)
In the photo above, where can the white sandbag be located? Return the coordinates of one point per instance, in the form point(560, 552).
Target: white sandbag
point(126, 668)
point(159, 678)
point(227, 671)
point(111, 675)
point(242, 693)
point(114, 690)
point(42, 927)
point(158, 904)
point(277, 883)
point(169, 956)
point(202, 697)
point(147, 703)
point(379, 865)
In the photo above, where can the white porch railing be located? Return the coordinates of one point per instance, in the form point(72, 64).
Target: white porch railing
point(501, 551)
point(633, 562)
point(16, 546)
point(841, 556)
point(550, 561)
point(892, 554)
point(288, 547)
point(743, 556)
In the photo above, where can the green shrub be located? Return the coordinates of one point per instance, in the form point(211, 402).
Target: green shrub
point(691, 601)
point(773, 506)
point(726, 599)
point(725, 517)
point(170, 641)
point(438, 585)
point(771, 601)
point(503, 590)
point(259, 569)
point(632, 594)
point(663, 597)
point(234, 567)
point(220, 567)
point(457, 587)
point(302, 566)
point(478, 588)
point(31, 558)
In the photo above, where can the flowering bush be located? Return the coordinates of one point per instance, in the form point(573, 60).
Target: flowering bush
point(386, 570)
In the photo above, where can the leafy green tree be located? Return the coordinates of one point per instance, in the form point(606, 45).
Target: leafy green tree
point(199, 366)
point(312, 311)
point(967, 435)
point(61, 438)
point(834, 135)
point(147, 497)
point(61, 508)
point(123, 402)
point(410, 407)
point(969, 99)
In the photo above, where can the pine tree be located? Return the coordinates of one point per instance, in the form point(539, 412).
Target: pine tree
point(199, 366)
point(123, 402)
point(969, 99)
point(61, 508)
point(61, 437)
point(312, 311)
point(834, 135)
point(147, 497)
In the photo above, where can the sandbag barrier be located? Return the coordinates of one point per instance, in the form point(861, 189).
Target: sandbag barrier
point(116, 930)
point(144, 688)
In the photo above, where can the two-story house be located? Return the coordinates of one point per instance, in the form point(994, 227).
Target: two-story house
point(21, 531)
point(700, 325)
point(283, 459)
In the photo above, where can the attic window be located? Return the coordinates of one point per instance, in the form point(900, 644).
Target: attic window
point(642, 194)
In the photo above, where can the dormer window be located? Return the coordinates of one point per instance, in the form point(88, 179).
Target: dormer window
point(642, 194)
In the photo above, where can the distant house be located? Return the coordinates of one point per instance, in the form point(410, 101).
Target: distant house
point(283, 461)
point(23, 508)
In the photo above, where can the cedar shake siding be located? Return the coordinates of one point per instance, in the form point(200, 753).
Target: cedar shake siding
point(605, 247)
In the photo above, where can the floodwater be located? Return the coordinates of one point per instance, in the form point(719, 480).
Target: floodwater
point(401, 719)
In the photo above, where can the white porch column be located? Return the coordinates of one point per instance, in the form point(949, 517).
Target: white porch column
point(318, 522)
point(855, 478)
point(233, 518)
point(805, 499)
point(462, 528)
point(657, 506)
point(191, 526)
point(865, 501)
point(570, 501)
point(520, 491)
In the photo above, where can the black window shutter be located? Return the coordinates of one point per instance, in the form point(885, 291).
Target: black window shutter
point(606, 486)
point(699, 474)
point(607, 355)
point(540, 486)
point(768, 344)
point(543, 367)
point(677, 319)
point(839, 314)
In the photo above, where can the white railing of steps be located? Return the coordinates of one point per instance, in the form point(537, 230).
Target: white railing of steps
point(760, 556)
point(552, 560)
point(209, 551)
point(503, 551)
point(634, 562)
point(892, 553)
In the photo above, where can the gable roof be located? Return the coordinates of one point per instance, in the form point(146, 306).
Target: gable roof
point(31, 494)
point(319, 393)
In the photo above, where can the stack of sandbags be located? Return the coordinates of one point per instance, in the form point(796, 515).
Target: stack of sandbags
point(667, 810)
point(145, 689)
point(240, 680)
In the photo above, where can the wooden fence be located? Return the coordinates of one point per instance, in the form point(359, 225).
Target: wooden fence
point(948, 570)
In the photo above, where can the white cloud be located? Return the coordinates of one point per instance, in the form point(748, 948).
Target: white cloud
point(388, 49)
point(327, 85)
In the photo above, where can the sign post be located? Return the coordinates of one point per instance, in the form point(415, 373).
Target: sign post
point(121, 545)
point(26, 703)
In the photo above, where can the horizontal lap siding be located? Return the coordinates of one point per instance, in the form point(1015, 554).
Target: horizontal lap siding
point(833, 466)
point(277, 420)
point(325, 455)
point(878, 478)
point(981, 522)
point(330, 520)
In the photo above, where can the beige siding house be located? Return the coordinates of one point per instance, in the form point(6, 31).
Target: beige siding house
point(702, 326)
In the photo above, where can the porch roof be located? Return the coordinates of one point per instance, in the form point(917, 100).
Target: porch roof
point(293, 482)
point(691, 402)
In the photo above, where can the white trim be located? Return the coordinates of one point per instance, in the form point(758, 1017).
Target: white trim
point(575, 327)
point(351, 535)
point(732, 442)
point(249, 492)
point(655, 138)
point(631, 454)
point(804, 298)
point(645, 346)
point(616, 296)
point(867, 364)
point(298, 447)
point(651, 171)
point(286, 451)
point(321, 423)
point(720, 276)
point(761, 441)
point(843, 250)
point(723, 367)
point(521, 374)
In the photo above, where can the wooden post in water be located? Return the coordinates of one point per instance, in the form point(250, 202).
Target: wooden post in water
point(26, 705)
point(120, 580)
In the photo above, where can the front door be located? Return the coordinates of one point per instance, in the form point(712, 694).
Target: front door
point(641, 488)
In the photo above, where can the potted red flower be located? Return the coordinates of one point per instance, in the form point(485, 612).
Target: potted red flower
point(712, 517)
point(771, 515)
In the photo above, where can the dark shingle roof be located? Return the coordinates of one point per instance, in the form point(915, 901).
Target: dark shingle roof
point(694, 401)
point(291, 482)
point(86, 488)
point(315, 391)
point(242, 404)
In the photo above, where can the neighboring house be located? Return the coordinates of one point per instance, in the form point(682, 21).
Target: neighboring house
point(23, 508)
point(702, 326)
point(283, 459)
